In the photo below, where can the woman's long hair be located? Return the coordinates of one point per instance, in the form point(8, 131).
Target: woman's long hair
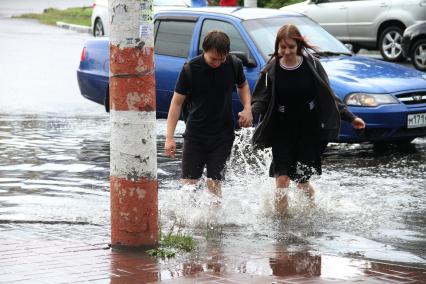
point(289, 31)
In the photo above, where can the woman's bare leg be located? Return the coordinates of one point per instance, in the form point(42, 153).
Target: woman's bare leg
point(281, 198)
point(308, 189)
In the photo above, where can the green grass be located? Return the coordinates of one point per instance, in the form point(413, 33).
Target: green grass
point(171, 244)
point(180, 242)
point(77, 16)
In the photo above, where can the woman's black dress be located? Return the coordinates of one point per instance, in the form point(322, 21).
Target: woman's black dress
point(296, 147)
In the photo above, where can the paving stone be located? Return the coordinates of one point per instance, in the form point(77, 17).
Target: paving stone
point(45, 254)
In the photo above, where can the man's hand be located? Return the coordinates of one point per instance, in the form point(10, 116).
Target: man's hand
point(170, 147)
point(358, 123)
point(245, 118)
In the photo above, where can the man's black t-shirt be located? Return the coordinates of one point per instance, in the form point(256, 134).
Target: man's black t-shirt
point(210, 97)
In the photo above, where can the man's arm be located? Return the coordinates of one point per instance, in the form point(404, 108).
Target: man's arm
point(172, 119)
point(246, 118)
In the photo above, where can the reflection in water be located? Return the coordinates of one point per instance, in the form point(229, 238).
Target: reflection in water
point(131, 267)
point(296, 264)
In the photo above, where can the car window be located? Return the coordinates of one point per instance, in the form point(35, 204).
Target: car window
point(173, 38)
point(156, 24)
point(237, 42)
point(264, 31)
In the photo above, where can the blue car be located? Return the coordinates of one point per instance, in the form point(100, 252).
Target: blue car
point(390, 98)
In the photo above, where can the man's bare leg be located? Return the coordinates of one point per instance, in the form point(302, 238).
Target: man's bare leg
point(281, 198)
point(214, 187)
point(190, 182)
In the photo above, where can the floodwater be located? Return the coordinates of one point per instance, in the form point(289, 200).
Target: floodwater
point(369, 205)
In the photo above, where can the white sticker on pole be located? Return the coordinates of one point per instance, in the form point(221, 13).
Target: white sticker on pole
point(146, 28)
point(146, 33)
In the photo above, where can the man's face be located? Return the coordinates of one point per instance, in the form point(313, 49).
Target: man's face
point(214, 59)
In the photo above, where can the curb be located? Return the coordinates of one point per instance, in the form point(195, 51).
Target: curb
point(77, 28)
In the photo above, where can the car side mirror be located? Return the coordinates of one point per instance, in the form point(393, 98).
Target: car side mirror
point(248, 62)
point(349, 46)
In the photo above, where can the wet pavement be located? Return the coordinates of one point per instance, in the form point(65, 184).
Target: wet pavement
point(367, 223)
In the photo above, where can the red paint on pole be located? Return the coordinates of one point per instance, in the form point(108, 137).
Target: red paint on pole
point(136, 204)
point(131, 60)
point(134, 93)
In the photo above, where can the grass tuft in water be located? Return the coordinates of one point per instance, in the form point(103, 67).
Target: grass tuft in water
point(181, 242)
point(171, 243)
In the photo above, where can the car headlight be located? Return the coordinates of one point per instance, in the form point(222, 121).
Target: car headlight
point(369, 100)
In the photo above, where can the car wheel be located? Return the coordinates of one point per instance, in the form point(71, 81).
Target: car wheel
point(404, 141)
point(380, 147)
point(355, 48)
point(390, 44)
point(98, 29)
point(418, 55)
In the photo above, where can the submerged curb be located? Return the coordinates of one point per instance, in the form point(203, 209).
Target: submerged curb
point(77, 28)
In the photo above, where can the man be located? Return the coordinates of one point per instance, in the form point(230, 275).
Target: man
point(206, 85)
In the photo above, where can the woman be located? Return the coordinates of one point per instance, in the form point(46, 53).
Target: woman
point(299, 113)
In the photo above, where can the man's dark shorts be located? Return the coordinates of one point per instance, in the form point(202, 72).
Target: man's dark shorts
point(210, 153)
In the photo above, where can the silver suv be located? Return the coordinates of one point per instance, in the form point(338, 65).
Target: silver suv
point(370, 24)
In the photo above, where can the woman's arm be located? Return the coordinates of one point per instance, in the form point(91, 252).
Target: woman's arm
point(261, 94)
point(345, 113)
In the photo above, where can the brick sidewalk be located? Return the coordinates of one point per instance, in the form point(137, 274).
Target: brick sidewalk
point(61, 253)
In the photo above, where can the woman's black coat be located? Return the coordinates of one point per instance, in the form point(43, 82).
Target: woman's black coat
point(331, 108)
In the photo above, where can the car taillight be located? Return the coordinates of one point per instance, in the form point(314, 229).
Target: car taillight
point(83, 54)
point(94, 4)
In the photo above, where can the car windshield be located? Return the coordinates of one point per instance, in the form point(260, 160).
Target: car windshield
point(264, 31)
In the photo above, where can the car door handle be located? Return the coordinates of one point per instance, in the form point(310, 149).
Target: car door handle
point(342, 7)
point(384, 4)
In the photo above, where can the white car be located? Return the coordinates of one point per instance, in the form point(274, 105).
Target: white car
point(100, 15)
point(370, 24)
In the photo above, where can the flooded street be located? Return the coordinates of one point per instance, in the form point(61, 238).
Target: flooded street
point(369, 205)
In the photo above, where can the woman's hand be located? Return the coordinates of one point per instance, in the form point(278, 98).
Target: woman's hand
point(358, 123)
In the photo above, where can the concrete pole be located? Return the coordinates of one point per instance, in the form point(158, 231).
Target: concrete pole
point(133, 178)
point(250, 3)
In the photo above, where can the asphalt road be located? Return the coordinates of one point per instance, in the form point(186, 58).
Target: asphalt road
point(38, 68)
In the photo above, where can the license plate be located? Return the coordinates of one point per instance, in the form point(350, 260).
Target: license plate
point(416, 120)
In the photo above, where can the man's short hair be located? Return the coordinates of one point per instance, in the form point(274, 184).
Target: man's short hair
point(218, 41)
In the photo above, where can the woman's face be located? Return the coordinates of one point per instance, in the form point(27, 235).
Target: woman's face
point(287, 48)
